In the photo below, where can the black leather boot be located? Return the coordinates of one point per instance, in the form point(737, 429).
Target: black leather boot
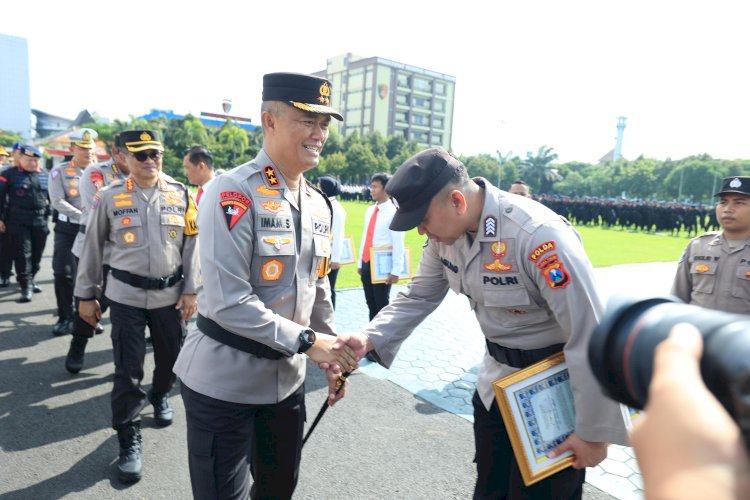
point(74, 359)
point(163, 412)
point(129, 465)
point(62, 327)
point(26, 294)
point(4, 281)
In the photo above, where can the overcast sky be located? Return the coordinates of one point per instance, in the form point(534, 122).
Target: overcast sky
point(528, 73)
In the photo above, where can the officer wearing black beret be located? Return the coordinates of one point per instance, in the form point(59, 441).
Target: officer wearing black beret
point(714, 270)
point(532, 288)
point(24, 212)
point(265, 305)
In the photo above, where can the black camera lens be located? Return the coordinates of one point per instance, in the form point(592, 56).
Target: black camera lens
point(621, 350)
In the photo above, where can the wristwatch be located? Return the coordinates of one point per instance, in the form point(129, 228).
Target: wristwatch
point(306, 340)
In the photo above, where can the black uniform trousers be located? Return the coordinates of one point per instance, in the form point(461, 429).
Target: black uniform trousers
point(80, 327)
point(226, 440)
point(129, 350)
point(64, 267)
point(498, 475)
point(6, 256)
point(27, 244)
point(377, 295)
point(332, 281)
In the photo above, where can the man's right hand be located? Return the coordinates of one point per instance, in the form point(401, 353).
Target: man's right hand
point(326, 353)
point(90, 311)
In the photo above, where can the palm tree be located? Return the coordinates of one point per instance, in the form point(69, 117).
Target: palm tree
point(538, 170)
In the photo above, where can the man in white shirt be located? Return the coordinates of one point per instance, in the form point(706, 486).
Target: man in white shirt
point(198, 164)
point(331, 188)
point(377, 234)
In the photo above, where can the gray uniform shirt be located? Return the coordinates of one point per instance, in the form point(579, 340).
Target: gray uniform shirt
point(65, 191)
point(530, 285)
point(94, 178)
point(263, 256)
point(710, 274)
point(149, 236)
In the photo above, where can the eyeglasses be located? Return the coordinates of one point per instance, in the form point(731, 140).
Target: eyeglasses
point(143, 155)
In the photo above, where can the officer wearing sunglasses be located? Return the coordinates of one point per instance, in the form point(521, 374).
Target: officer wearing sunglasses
point(148, 220)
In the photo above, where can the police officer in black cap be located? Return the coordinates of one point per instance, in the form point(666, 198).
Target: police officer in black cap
point(24, 212)
point(714, 270)
point(265, 304)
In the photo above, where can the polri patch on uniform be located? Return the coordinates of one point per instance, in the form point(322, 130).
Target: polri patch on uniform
point(267, 192)
point(97, 179)
point(540, 250)
point(55, 173)
point(234, 205)
point(271, 270)
point(272, 206)
point(272, 178)
point(554, 272)
point(490, 226)
point(497, 249)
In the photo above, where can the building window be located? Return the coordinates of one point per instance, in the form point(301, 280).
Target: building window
point(437, 138)
point(419, 136)
point(439, 105)
point(402, 117)
point(437, 122)
point(422, 102)
point(440, 88)
point(402, 99)
point(422, 84)
point(403, 80)
point(418, 119)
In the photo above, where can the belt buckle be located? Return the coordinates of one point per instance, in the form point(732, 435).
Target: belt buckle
point(163, 283)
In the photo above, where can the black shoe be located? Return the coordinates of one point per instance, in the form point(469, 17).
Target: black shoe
point(99, 329)
point(163, 412)
point(4, 282)
point(62, 327)
point(35, 288)
point(74, 359)
point(26, 295)
point(129, 465)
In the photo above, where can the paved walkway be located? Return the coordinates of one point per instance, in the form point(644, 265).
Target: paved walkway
point(439, 361)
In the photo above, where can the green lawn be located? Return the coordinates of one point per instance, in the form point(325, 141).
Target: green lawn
point(605, 247)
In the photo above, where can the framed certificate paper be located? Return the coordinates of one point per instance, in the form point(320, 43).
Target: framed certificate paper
point(381, 259)
point(347, 251)
point(537, 407)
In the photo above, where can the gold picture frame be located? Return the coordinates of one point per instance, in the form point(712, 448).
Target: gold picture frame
point(347, 252)
point(380, 264)
point(537, 407)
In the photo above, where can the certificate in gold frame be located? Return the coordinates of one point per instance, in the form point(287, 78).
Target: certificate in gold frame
point(347, 251)
point(536, 404)
point(380, 264)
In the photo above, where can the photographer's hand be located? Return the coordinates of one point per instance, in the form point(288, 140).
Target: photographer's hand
point(686, 443)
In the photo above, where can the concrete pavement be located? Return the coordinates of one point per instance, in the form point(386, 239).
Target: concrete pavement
point(399, 433)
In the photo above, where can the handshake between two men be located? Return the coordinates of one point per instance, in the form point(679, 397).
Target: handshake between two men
point(338, 356)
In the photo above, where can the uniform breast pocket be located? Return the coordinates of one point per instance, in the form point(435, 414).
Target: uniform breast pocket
point(513, 307)
point(741, 287)
point(704, 276)
point(274, 262)
point(322, 253)
point(128, 231)
point(172, 228)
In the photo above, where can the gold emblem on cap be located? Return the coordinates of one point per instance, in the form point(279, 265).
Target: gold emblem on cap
point(87, 136)
point(325, 93)
point(145, 136)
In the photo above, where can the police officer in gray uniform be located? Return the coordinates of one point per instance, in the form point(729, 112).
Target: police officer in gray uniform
point(65, 195)
point(149, 222)
point(265, 233)
point(714, 270)
point(527, 277)
point(94, 178)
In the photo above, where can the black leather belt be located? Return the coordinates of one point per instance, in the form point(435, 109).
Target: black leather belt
point(520, 358)
point(147, 283)
point(212, 329)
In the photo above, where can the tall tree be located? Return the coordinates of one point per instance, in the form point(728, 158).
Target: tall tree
point(537, 169)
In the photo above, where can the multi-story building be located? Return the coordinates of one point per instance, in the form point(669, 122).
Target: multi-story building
point(15, 101)
point(376, 94)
